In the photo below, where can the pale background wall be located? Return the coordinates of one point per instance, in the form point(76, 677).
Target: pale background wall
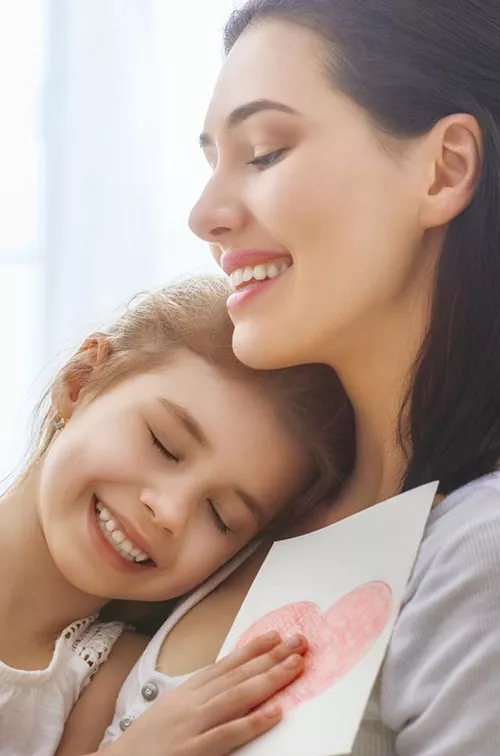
point(102, 102)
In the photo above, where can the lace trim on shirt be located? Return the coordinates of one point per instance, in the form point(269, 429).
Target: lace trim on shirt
point(92, 641)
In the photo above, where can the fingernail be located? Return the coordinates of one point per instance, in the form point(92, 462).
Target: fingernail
point(294, 641)
point(271, 637)
point(272, 711)
point(292, 661)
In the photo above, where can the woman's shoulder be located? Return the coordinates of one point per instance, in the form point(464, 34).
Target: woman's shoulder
point(464, 530)
point(483, 494)
point(442, 667)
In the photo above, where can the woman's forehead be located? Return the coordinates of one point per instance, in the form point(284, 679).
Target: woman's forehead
point(250, 72)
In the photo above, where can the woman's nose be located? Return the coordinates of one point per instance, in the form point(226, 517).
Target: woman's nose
point(219, 213)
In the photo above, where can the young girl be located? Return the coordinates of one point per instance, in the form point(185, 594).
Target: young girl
point(160, 457)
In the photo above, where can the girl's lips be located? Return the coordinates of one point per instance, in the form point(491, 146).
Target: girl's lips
point(127, 528)
point(116, 536)
point(107, 552)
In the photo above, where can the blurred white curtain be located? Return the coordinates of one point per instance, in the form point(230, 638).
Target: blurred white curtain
point(127, 83)
point(22, 34)
point(123, 86)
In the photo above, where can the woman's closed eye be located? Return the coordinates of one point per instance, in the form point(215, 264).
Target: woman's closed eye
point(269, 159)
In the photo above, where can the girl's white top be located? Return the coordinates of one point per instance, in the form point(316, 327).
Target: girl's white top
point(35, 704)
point(438, 692)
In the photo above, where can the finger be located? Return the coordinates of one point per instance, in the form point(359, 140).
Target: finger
point(223, 740)
point(255, 648)
point(240, 700)
point(296, 644)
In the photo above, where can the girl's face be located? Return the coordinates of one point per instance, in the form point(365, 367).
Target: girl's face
point(153, 485)
point(303, 182)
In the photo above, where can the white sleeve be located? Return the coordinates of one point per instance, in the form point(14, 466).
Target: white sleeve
point(441, 678)
point(92, 643)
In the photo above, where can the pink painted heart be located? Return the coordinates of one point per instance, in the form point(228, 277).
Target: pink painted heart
point(338, 639)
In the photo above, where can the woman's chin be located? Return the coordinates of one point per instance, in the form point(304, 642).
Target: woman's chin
point(261, 349)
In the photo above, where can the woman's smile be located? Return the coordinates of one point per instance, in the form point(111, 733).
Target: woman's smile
point(253, 272)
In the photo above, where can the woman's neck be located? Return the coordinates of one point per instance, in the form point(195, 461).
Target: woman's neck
point(35, 596)
point(376, 374)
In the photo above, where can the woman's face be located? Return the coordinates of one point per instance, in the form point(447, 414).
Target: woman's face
point(309, 206)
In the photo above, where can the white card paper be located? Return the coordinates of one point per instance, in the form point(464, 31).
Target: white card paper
point(342, 586)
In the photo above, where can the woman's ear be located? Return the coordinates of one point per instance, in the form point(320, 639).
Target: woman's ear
point(455, 148)
point(73, 379)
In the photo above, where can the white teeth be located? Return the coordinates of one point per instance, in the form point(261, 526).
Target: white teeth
point(116, 538)
point(272, 271)
point(237, 277)
point(258, 272)
point(247, 274)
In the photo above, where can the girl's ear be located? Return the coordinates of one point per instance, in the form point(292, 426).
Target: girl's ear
point(73, 379)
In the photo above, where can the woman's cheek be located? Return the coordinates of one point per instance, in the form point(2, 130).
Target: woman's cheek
point(279, 202)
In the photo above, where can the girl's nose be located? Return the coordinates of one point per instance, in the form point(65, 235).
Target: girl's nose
point(170, 510)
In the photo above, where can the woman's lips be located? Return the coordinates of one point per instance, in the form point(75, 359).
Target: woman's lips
point(233, 260)
point(247, 291)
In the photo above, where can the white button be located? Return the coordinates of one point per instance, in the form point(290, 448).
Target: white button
point(125, 722)
point(150, 691)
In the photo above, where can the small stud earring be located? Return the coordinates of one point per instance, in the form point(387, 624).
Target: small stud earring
point(58, 422)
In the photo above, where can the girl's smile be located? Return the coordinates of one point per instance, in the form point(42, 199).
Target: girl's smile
point(114, 542)
point(172, 485)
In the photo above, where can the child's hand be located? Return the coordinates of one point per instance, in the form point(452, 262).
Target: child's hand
point(213, 712)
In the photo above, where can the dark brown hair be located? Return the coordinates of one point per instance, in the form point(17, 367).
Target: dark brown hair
point(408, 64)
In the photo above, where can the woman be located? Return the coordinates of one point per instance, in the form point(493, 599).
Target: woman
point(355, 149)
point(355, 202)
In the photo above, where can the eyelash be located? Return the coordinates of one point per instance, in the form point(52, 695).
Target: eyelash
point(163, 449)
point(266, 161)
point(219, 522)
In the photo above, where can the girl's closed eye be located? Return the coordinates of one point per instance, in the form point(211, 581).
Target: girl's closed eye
point(269, 158)
point(164, 449)
point(219, 522)
point(217, 518)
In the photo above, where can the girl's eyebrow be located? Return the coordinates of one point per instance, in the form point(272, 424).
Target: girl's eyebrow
point(255, 507)
point(186, 419)
point(243, 112)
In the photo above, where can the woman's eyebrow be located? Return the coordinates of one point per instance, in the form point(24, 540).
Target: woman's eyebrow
point(243, 112)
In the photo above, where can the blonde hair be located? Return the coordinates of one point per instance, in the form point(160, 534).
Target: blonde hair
point(191, 314)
